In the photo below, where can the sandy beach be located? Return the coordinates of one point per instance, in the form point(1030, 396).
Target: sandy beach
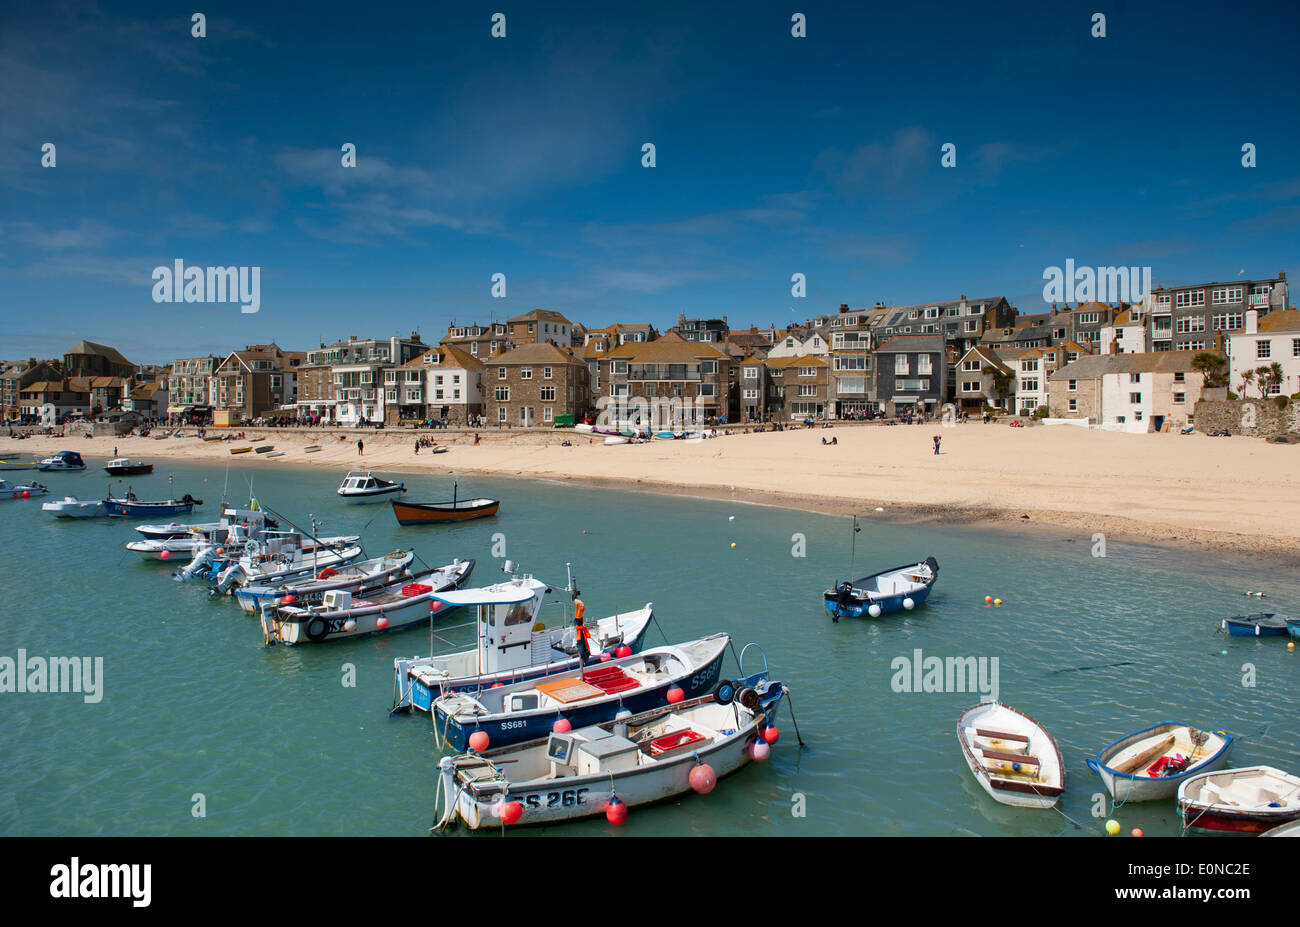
point(1238, 493)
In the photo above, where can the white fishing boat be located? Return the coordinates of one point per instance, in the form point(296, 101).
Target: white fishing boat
point(72, 507)
point(10, 490)
point(357, 578)
point(1249, 800)
point(340, 614)
point(364, 488)
point(278, 557)
point(186, 548)
point(512, 643)
point(632, 760)
point(586, 695)
point(1011, 755)
point(1152, 763)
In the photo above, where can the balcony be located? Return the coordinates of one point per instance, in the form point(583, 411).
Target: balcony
point(913, 384)
point(1259, 300)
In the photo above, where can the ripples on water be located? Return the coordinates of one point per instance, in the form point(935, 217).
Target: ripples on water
point(277, 745)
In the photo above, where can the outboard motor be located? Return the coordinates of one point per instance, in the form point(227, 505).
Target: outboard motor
point(195, 567)
point(229, 577)
point(843, 599)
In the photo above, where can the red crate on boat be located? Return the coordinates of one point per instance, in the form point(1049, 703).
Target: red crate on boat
point(416, 589)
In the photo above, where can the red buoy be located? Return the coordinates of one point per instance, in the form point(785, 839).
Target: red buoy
point(165, 555)
point(381, 623)
point(623, 651)
point(511, 812)
point(435, 605)
point(675, 695)
point(616, 811)
point(562, 726)
point(703, 778)
point(759, 751)
point(604, 657)
point(770, 734)
point(27, 494)
point(479, 741)
point(290, 599)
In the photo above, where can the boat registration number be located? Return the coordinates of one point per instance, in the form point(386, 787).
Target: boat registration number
point(567, 798)
point(512, 725)
point(701, 680)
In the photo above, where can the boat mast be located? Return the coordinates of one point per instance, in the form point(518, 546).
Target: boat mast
point(853, 547)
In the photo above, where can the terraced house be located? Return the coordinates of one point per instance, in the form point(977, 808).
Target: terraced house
point(1188, 318)
point(911, 374)
point(851, 391)
point(189, 390)
point(693, 373)
point(536, 384)
point(481, 341)
point(798, 387)
point(984, 379)
point(540, 326)
point(1265, 342)
point(260, 380)
point(443, 383)
point(1135, 393)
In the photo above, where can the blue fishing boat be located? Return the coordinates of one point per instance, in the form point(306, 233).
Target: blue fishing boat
point(1293, 627)
point(897, 589)
point(1261, 624)
point(581, 697)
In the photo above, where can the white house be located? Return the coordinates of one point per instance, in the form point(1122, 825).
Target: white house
point(443, 382)
point(791, 345)
point(1272, 339)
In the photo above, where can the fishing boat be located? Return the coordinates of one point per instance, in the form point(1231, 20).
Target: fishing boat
point(632, 760)
point(186, 548)
point(63, 460)
point(1261, 624)
point(340, 614)
point(10, 490)
point(277, 557)
point(525, 710)
point(432, 513)
point(1249, 800)
point(252, 520)
point(12, 463)
point(364, 488)
point(129, 506)
point(1011, 755)
point(897, 589)
point(1152, 763)
point(357, 578)
point(72, 507)
point(512, 644)
point(125, 466)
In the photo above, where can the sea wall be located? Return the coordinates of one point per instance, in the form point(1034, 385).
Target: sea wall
point(1261, 418)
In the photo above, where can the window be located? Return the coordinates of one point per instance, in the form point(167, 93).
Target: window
point(501, 373)
point(751, 394)
point(1228, 320)
point(1263, 349)
point(972, 326)
point(807, 371)
point(923, 365)
point(1031, 364)
point(1089, 318)
point(501, 413)
point(971, 366)
point(390, 395)
point(525, 373)
point(1226, 294)
point(1072, 385)
point(807, 391)
point(1180, 377)
point(546, 373)
point(970, 386)
point(1180, 398)
point(751, 373)
point(1073, 405)
point(708, 366)
point(1135, 378)
point(1029, 386)
point(706, 389)
point(1189, 298)
point(501, 394)
point(901, 365)
point(1295, 347)
point(548, 394)
point(1191, 323)
point(548, 413)
point(618, 367)
point(1135, 398)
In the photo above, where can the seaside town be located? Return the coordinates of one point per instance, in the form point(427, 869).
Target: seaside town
point(1141, 367)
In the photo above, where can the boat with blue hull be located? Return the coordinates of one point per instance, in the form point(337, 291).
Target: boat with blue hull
point(583, 697)
point(1262, 624)
point(513, 644)
point(897, 589)
point(1152, 763)
point(1293, 627)
point(130, 507)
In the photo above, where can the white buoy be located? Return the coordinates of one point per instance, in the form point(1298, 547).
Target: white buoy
point(731, 518)
point(909, 604)
point(879, 509)
point(874, 611)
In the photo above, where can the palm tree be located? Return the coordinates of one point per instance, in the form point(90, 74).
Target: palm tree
point(1247, 378)
point(1263, 379)
point(1210, 365)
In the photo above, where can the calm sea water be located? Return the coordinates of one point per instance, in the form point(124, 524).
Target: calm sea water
point(195, 704)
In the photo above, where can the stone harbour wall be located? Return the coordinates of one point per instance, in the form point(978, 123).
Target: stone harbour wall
point(1261, 418)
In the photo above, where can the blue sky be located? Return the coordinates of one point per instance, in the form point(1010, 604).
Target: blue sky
point(522, 155)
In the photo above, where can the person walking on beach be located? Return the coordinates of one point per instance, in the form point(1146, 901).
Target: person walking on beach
point(417, 447)
point(937, 439)
point(361, 447)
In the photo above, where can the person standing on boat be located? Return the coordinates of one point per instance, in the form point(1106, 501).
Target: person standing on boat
point(581, 633)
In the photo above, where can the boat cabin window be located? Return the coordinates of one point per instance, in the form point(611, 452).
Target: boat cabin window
point(558, 748)
point(514, 614)
point(522, 702)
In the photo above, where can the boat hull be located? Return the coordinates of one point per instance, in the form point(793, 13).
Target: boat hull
point(135, 470)
point(1125, 787)
point(146, 509)
point(1009, 791)
point(370, 497)
point(1256, 626)
point(417, 513)
point(418, 693)
point(251, 598)
point(72, 508)
point(857, 605)
point(577, 797)
point(511, 728)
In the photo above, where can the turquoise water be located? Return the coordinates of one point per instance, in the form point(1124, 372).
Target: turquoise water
point(272, 740)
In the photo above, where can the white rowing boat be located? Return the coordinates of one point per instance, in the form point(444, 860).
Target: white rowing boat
point(1011, 755)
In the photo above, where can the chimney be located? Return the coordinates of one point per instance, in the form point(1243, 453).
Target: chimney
point(1252, 322)
point(1218, 341)
point(844, 307)
point(1281, 275)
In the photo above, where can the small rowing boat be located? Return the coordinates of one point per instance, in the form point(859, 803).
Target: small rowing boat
point(311, 449)
point(432, 513)
point(72, 507)
point(240, 450)
point(1261, 624)
point(264, 449)
point(1249, 800)
point(1011, 755)
point(10, 490)
point(1152, 763)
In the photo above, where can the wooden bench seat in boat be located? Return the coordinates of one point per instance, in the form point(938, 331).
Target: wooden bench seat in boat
point(1000, 741)
point(568, 690)
point(1022, 758)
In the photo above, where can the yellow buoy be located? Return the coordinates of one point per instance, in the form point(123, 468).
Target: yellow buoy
point(733, 543)
point(997, 601)
point(1112, 827)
